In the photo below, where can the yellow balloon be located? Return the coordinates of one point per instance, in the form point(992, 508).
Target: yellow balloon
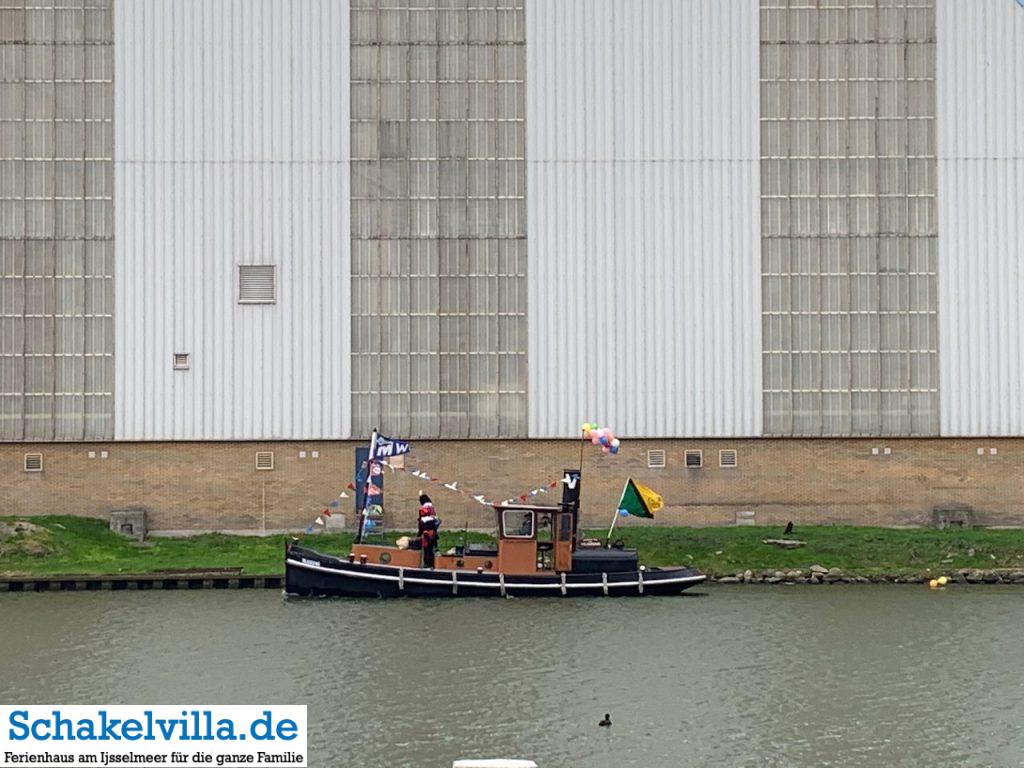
point(933, 583)
point(943, 580)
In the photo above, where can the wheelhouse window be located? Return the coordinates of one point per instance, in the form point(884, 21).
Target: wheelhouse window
point(517, 523)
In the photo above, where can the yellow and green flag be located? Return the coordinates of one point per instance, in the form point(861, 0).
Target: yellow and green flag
point(639, 500)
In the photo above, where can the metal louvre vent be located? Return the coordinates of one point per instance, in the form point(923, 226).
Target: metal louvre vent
point(264, 460)
point(33, 462)
point(256, 284)
point(656, 459)
point(694, 459)
point(181, 361)
point(727, 457)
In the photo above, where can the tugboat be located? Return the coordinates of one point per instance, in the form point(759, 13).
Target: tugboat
point(538, 553)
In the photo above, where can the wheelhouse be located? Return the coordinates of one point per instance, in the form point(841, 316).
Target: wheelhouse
point(535, 539)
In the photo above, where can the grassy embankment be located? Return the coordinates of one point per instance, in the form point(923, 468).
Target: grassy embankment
point(71, 546)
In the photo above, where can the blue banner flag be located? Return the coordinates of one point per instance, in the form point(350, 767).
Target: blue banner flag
point(386, 447)
point(363, 480)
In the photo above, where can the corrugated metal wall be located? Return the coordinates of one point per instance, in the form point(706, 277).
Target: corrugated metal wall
point(232, 148)
point(439, 218)
point(56, 220)
point(641, 122)
point(981, 206)
point(848, 185)
point(643, 216)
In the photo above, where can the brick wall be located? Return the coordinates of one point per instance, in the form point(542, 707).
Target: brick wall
point(204, 486)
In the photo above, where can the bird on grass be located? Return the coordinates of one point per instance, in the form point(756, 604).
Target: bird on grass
point(789, 528)
point(607, 722)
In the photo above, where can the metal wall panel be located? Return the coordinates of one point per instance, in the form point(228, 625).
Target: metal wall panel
point(56, 220)
point(848, 187)
point(981, 200)
point(439, 218)
point(643, 217)
point(232, 148)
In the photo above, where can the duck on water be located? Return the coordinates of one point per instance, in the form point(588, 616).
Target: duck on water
point(538, 553)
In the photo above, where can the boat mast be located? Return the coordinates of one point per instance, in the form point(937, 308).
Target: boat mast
point(615, 519)
point(583, 442)
point(577, 534)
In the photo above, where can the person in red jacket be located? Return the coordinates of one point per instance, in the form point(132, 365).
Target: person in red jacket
point(428, 526)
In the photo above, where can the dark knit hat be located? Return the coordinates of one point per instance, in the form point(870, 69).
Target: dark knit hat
point(424, 499)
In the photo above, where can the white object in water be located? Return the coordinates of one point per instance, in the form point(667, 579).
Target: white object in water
point(496, 763)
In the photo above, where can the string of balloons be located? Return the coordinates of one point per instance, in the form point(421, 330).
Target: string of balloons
point(602, 436)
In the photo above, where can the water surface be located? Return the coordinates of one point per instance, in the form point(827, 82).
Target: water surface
point(778, 676)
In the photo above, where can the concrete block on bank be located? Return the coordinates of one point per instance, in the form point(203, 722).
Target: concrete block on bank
point(954, 516)
point(130, 523)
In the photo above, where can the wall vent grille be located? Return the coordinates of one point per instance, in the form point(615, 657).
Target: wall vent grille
point(656, 459)
point(264, 460)
point(257, 284)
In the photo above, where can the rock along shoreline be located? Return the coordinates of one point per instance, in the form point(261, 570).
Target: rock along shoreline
point(818, 574)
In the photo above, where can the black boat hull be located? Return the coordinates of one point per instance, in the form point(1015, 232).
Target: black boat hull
point(309, 573)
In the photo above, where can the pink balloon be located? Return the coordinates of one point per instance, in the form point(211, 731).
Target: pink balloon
point(595, 439)
point(605, 449)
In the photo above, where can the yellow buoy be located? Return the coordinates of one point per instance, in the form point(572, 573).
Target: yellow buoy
point(933, 583)
point(943, 581)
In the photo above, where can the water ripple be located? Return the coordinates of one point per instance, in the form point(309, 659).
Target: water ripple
point(843, 676)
